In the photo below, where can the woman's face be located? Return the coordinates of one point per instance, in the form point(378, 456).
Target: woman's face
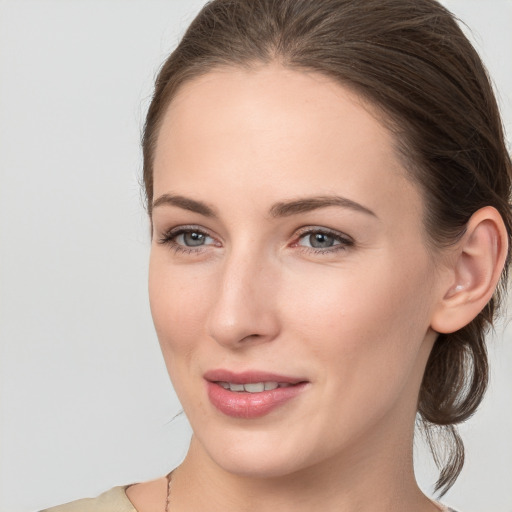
point(288, 250)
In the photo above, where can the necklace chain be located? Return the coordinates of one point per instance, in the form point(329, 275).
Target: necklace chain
point(168, 499)
point(169, 478)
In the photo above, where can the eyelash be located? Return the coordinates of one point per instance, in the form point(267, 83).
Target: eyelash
point(344, 242)
point(169, 238)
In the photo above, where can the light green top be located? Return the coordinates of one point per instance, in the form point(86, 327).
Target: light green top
point(115, 500)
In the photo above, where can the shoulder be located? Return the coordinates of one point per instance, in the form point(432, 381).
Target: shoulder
point(114, 500)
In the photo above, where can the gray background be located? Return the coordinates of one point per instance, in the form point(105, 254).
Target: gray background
point(85, 399)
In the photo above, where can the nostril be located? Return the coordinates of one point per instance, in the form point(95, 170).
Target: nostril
point(251, 337)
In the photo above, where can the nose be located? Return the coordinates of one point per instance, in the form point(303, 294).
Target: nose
point(244, 311)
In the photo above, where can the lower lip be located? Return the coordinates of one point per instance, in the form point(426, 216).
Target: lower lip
point(250, 405)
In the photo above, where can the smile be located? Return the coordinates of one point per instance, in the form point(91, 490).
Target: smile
point(253, 387)
point(251, 394)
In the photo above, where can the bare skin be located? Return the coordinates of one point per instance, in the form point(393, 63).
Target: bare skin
point(345, 295)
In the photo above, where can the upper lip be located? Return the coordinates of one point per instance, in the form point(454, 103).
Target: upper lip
point(249, 377)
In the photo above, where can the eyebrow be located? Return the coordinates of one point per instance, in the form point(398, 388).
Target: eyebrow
point(281, 209)
point(313, 203)
point(186, 204)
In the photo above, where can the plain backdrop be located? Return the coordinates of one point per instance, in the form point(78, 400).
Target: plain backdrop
point(86, 403)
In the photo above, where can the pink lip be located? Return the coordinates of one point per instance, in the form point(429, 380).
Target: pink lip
point(248, 377)
point(250, 405)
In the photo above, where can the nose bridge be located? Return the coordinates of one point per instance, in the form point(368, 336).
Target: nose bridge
point(243, 308)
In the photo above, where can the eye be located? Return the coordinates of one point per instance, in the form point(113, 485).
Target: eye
point(318, 240)
point(192, 239)
point(187, 239)
point(323, 240)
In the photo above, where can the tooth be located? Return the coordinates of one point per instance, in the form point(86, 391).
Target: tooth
point(256, 387)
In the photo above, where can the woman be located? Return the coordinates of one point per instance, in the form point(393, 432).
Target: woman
point(328, 188)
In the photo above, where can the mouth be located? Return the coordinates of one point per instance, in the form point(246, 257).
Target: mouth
point(250, 395)
point(253, 387)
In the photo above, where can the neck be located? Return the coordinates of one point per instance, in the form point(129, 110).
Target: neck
point(362, 480)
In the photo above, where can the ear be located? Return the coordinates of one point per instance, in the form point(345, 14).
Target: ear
point(473, 272)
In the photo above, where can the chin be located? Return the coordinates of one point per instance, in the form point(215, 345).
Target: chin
point(263, 464)
point(258, 453)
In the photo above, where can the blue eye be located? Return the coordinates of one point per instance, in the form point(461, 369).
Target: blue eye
point(318, 240)
point(192, 239)
point(187, 239)
point(323, 240)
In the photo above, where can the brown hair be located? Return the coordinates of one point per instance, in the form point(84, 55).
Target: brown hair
point(411, 60)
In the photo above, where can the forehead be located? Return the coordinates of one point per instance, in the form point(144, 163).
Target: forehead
point(273, 100)
point(275, 131)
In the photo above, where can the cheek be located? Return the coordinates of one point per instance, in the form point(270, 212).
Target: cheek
point(364, 321)
point(363, 335)
point(178, 302)
point(178, 306)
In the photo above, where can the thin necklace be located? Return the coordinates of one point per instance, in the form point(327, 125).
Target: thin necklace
point(169, 477)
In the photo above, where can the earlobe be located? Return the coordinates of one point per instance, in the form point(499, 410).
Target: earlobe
point(474, 273)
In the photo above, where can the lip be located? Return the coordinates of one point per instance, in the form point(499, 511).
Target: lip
point(250, 405)
point(249, 377)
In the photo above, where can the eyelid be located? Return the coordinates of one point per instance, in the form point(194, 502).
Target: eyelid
point(307, 230)
point(169, 237)
point(345, 242)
